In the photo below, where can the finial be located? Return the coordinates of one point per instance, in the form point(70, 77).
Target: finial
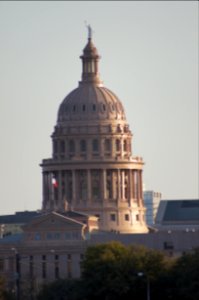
point(90, 30)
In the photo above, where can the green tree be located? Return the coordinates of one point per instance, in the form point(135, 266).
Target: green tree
point(186, 277)
point(110, 271)
point(62, 289)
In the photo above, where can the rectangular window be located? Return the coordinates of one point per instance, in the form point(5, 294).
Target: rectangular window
point(68, 235)
point(57, 266)
point(37, 236)
point(49, 236)
point(31, 266)
point(137, 217)
point(56, 235)
point(43, 266)
point(1, 264)
point(112, 217)
point(69, 266)
point(126, 217)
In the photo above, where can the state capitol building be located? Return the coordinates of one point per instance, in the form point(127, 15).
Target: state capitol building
point(92, 165)
point(92, 193)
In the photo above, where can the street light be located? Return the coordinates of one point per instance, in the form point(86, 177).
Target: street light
point(148, 294)
point(17, 261)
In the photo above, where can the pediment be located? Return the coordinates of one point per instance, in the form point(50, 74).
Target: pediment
point(52, 221)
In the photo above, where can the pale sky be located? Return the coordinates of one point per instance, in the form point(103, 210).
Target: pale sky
point(149, 59)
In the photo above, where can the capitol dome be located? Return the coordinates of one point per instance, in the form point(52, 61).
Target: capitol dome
point(91, 100)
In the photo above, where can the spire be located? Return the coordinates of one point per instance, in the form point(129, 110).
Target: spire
point(90, 59)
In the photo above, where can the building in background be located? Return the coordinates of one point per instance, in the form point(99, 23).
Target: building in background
point(179, 214)
point(151, 202)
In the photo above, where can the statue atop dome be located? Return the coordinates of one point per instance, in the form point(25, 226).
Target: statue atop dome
point(90, 31)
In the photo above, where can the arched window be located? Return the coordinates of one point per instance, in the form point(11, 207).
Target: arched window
point(95, 184)
point(125, 145)
point(107, 145)
point(117, 145)
point(95, 145)
point(55, 146)
point(62, 146)
point(71, 146)
point(82, 145)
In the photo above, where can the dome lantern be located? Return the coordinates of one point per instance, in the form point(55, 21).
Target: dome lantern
point(90, 59)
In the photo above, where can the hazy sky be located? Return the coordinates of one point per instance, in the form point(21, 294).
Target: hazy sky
point(149, 59)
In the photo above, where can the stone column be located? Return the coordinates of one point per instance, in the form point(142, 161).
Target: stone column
point(112, 147)
point(130, 184)
point(60, 200)
point(101, 148)
point(122, 147)
point(118, 185)
point(103, 184)
point(74, 187)
point(89, 185)
point(134, 185)
point(114, 184)
point(140, 188)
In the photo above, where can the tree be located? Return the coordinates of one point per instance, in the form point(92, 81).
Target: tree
point(62, 289)
point(4, 294)
point(186, 276)
point(110, 271)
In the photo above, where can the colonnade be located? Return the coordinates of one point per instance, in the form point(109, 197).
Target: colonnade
point(91, 186)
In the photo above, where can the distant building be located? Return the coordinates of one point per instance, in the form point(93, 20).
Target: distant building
point(178, 215)
point(151, 202)
point(11, 224)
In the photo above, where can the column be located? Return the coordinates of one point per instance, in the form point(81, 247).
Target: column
point(134, 185)
point(59, 200)
point(118, 185)
point(103, 184)
point(74, 187)
point(113, 178)
point(122, 184)
point(130, 184)
point(101, 147)
point(112, 147)
point(122, 147)
point(89, 185)
point(140, 188)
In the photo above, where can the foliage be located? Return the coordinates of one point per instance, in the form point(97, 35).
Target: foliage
point(4, 294)
point(62, 289)
point(111, 270)
point(186, 276)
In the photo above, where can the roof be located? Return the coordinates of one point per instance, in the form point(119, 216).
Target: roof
point(178, 211)
point(13, 238)
point(19, 217)
point(90, 102)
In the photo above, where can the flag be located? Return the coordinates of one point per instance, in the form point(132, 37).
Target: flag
point(54, 182)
